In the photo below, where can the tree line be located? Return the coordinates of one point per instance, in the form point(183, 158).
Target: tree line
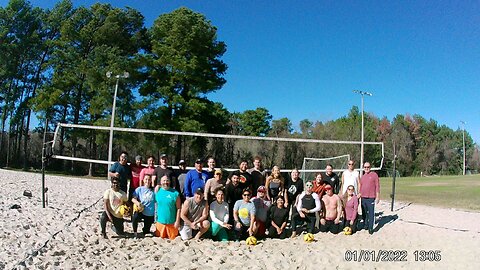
point(53, 64)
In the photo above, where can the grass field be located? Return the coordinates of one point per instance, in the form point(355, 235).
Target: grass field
point(460, 192)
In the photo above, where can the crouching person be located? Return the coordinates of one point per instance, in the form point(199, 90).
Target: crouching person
point(195, 216)
point(113, 199)
point(144, 202)
point(244, 216)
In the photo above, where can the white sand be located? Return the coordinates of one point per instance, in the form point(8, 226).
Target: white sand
point(66, 235)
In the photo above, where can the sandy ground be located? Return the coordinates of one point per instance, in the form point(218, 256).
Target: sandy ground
point(66, 235)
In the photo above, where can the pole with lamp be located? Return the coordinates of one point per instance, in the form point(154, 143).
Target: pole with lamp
point(362, 93)
point(112, 120)
point(464, 154)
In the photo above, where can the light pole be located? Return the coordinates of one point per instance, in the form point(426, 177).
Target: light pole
point(463, 132)
point(110, 142)
point(362, 93)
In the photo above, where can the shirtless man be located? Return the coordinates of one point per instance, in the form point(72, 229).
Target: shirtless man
point(330, 218)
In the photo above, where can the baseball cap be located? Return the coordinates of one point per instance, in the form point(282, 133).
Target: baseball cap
point(328, 187)
point(199, 160)
point(181, 162)
point(218, 171)
point(163, 156)
point(261, 189)
point(199, 191)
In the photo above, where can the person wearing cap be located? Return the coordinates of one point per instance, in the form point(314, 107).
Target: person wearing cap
point(136, 169)
point(308, 204)
point(233, 193)
point(194, 216)
point(210, 167)
point(259, 175)
point(181, 174)
point(244, 216)
point(370, 194)
point(168, 210)
point(164, 169)
point(149, 170)
point(212, 184)
point(121, 171)
point(331, 212)
point(195, 179)
point(113, 198)
point(262, 205)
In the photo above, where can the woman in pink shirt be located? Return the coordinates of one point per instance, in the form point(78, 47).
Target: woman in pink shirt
point(148, 170)
point(350, 200)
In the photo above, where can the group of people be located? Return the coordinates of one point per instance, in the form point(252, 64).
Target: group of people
point(247, 202)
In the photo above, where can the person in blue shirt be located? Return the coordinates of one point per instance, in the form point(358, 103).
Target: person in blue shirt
point(121, 171)
point(144, 200)
point(195, 179)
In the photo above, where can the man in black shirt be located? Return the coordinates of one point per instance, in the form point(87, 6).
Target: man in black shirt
point(164, 169)
point(331, 178)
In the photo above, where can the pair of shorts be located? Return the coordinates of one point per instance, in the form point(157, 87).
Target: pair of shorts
point(165, 231)
point(186, 232)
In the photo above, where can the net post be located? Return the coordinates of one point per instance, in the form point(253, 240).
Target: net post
point(44, 150)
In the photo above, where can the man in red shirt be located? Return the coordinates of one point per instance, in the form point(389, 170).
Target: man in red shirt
point(370, 193)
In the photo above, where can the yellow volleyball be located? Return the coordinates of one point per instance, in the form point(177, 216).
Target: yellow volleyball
point(124, 210)
point(309, 238)
point(251, 241)
point(347, 231)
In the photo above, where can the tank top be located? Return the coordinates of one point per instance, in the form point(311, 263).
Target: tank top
point(308, 201)
point(274, 189)
point(195, 210)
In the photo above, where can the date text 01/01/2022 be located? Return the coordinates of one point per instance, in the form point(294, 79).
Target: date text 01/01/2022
point(391, 255)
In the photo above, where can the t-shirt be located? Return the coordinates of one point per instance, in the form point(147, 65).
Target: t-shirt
point(146, 197)
point(294, 189)
point(261, 208)
point(245, 179)
point(159, 172)
point(145, 171)
point(115, 199)
point(332, 180)
point(136, 170)
point(219, 212)
point(350, 178)
point(125, 174)
point(245, 210)
point(166, 205)
point(258, 179)
point(279, 215)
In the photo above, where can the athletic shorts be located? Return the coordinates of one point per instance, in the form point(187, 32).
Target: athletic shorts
point(165, 231)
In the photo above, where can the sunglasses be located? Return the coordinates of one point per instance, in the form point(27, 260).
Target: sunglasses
point(309, 185)
point(246, 195)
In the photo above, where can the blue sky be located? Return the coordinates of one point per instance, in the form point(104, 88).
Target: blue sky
point(302, 59)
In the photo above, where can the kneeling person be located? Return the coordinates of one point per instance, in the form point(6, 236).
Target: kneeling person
point(113, 198)
point(168, 210)
point(330, 218)
point(244, 216)
point(144, 200)
point(308, 204)
point(195, 216)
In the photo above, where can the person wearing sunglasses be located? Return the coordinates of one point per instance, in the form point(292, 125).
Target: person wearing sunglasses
point(350, 177)
point(244, 216)
point(370, 194)
point(307, 206)
point(121, 171)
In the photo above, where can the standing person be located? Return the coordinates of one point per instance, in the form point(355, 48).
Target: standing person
point(275, 184)
point(163, 169)
point(350, 177)
point(307, 206)
point(330, 217)
point(143, 198)
point(233, 193)
point(113, 198)
point(319, 185)
point(350, 200)
point(168, 210)
point(245, 179)
point(294, 187)
point(181, 174)
point(279, 217)
point(195, 179)
point(194, 216)
point(150, 169)
point(370, 194)
point(244, 215)
point(331, 178)
point(210, 167)
point(219, 216)
point(121, 171)
point(213, 184)
point(259, 175)
point(262, 205)
point(136, 169)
